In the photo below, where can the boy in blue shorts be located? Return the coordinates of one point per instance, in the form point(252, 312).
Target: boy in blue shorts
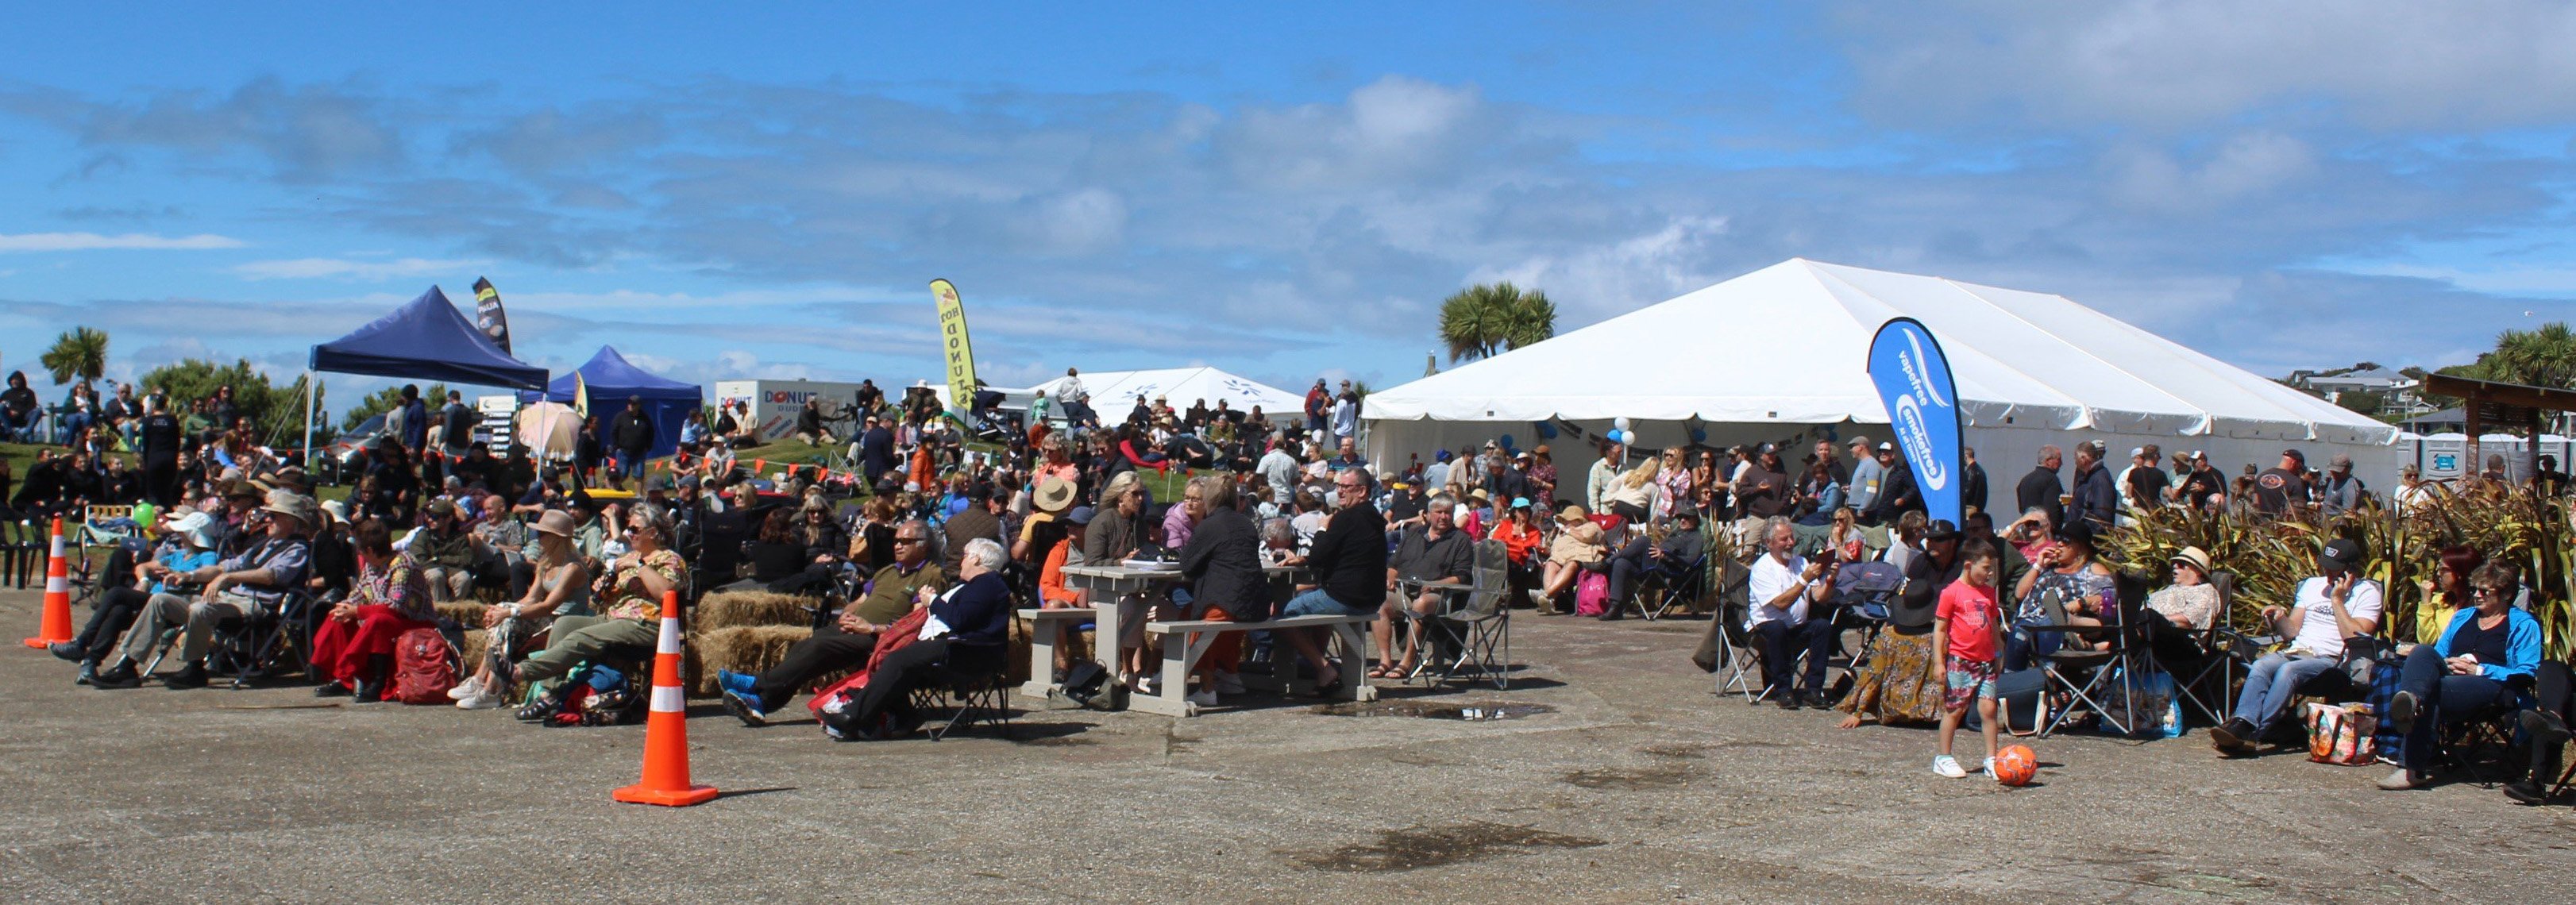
point(1967, 628)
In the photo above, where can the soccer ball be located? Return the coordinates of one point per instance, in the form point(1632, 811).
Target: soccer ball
point(2016, 765)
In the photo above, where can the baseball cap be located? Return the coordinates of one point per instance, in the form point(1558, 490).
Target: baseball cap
point(2136, 451)
point(1884, 446)
point(2343, 462)
point(2342, 553)
point(1940, 530)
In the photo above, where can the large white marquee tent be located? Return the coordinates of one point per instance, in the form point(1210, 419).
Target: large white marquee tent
point(1114, 392)
point(1778, 355)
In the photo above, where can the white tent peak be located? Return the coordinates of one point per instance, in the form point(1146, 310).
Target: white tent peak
point(1113, 391)
point(1787, 344)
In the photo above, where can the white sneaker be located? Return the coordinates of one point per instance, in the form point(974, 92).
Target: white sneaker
point(1145, 685)
point(466, 689)
point(1989, 768)
point(1203, 697)
point(480, 701)
point(1948, 766)
point(1229, 683)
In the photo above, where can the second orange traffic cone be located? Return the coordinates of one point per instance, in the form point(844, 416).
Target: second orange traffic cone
point(55, 626)
point(666, 727)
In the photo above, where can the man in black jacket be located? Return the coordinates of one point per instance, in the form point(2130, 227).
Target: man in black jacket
point(876, 450)
point(18, 407)
point(1349, 560)
point(1223, 564)
point(2097, 498)
point(632, 436)
point(1897, 493)
point(160, 437)
point(1641, 558)
point(2040, 490)
point(1972, 482)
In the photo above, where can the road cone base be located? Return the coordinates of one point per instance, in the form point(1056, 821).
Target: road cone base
point(669, 798)
point(42, 643)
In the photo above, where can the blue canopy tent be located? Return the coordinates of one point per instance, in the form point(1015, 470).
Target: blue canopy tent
point(425, 339)
point(612, 380)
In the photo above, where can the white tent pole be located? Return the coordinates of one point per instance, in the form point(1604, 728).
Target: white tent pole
point(310, 392)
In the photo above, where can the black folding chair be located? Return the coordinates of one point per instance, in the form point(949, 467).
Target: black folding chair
point(2086, 676)
point(1470, 636)
point(976, 697)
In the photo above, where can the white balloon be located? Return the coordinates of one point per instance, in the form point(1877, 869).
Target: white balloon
point(1620, 423)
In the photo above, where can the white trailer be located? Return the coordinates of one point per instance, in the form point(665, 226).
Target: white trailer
point(775, 403)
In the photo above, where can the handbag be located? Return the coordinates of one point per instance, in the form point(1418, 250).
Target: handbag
point(2341, 734)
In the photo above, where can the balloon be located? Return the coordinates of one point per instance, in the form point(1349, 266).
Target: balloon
point(1620, 423)
point(1617, 436)
point(1699, 436)
point(1507, 442)
point(1546, 431)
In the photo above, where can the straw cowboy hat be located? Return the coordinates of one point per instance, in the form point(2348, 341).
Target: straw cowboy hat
point(1054, 496)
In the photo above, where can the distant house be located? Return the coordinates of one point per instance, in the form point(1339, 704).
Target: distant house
point(2446, 421)
point(2398, 394)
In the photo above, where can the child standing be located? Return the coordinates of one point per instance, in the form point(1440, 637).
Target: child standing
point(1968, 627)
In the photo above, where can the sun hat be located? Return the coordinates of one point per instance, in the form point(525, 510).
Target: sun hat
point(1572, 514)
point(556, 522)
point(1520, 502)
point(2195, 558)
point(1054, 495)
point(292, 505)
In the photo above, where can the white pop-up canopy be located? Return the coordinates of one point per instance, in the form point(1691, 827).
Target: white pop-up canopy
point(1777, 352)
point(1113, 392)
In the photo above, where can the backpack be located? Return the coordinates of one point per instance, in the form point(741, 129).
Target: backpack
point(593, 695)
point(424, 667)
point(1591, 594)
point(1871, 587)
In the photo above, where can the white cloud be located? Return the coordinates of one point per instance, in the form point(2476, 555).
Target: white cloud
point(94, 241)
point(2384, 63)
point(338, 268)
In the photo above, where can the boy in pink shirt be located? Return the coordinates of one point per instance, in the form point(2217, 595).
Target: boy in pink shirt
point(1967, 628)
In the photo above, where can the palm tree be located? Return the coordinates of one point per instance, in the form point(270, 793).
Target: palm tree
point(1486, 318)
point(2543, 357)
point(81, 353)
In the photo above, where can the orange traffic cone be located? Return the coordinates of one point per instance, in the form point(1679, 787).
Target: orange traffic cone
point(56, 625)
point(666, 727)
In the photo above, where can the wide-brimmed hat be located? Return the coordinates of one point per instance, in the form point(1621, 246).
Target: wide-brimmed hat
point(2195, 558)
point(1054, 495)
point(237, 489)
point(1939, 530)
point(556, 522)
point(292, 505)
point(1571, 514)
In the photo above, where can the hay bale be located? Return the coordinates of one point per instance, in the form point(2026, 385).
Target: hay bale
point(742, 648)
point(467, 613)
point(735, 609)
point(477, 643)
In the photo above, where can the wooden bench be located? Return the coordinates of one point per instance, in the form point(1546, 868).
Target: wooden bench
point(1181, 655)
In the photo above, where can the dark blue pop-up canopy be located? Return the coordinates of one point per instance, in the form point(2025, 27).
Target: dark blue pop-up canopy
point(426, 340)
point(612, 380)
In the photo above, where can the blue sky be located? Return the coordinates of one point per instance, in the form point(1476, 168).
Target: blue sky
point(1283, 192)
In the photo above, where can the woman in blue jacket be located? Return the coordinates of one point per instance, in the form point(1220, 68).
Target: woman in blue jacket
point(2486, 657)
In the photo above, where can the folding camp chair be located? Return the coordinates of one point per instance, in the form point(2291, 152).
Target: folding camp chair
point(2086, 676)
point(1470, 636)
point(1669, 589)
point(2207, 680)
point(971, 699)
point(105, 526)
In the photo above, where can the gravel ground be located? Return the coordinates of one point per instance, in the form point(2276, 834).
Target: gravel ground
point(1635, 783)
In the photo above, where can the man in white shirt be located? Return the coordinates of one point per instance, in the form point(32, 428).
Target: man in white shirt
point(2328, 608)
point(1782, 587)
point(1604, 470)
point(1279, 468)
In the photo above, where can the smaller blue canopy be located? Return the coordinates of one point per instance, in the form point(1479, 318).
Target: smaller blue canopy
point(613, 380)
point(426, 339)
